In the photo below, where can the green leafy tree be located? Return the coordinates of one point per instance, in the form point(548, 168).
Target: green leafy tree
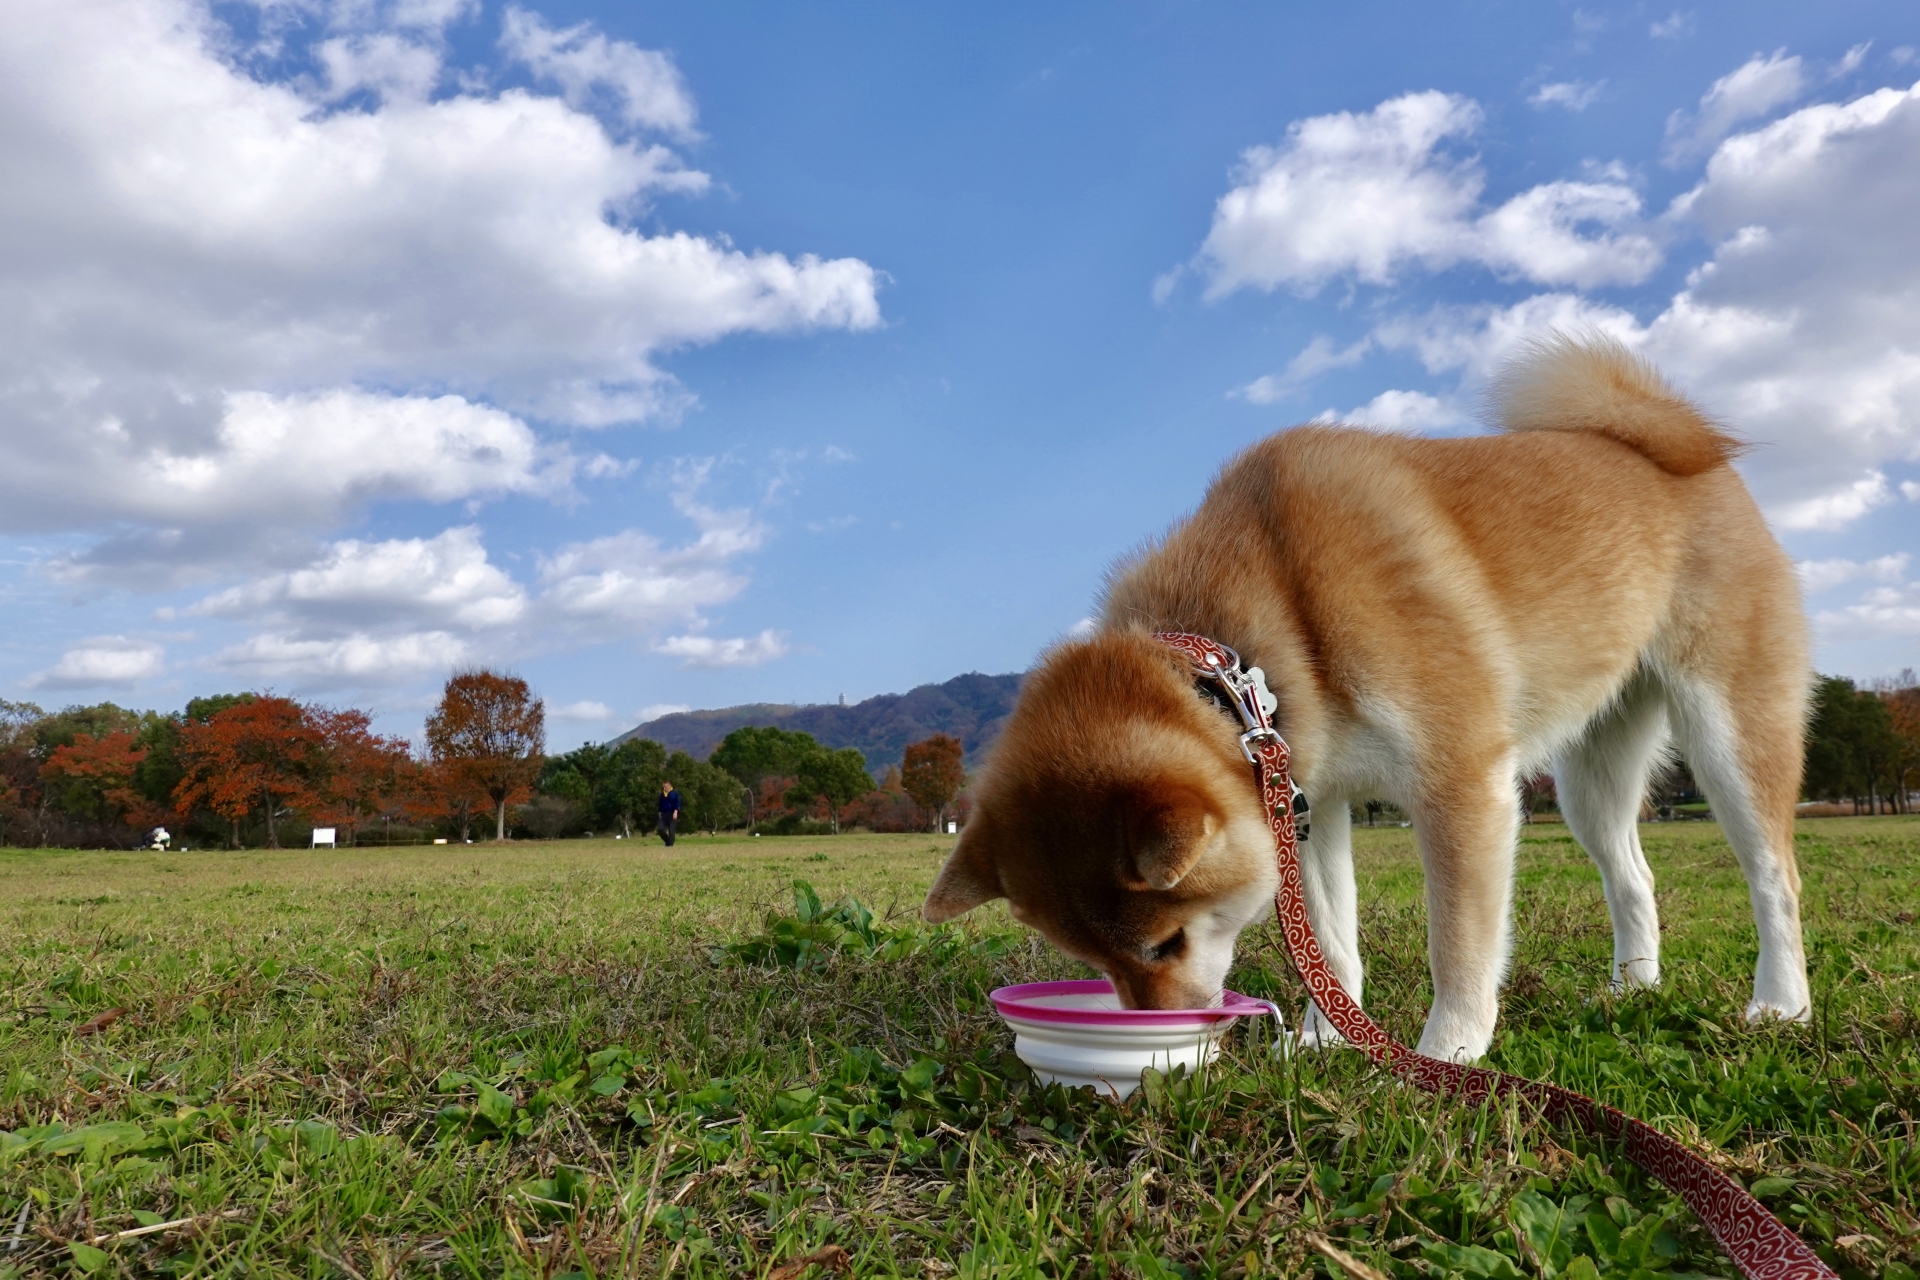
point(713, 797)
point(1853, 747)
point(579, 777)
point(97, 721)
point(837, 777)
point(632, 786)
point(1880, 748)
point(754, 753)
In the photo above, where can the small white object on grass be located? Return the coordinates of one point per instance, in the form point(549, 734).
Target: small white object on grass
point(1077, 1034)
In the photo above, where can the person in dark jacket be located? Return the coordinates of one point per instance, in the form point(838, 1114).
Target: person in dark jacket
point(669, 813)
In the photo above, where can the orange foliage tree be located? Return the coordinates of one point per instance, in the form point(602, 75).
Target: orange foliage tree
point(489, 733)
point(435, 790)
point(1903, 706)
point(933, 774)
point(359, 769)
point(267, 751)
point(95, 778)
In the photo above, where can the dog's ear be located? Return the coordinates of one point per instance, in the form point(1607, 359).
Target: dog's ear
point(969, 878)
point(1169, 828)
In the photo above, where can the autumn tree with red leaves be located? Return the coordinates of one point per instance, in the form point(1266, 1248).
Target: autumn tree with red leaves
point(490, 732)
point(93, 777)
point(439, 790)
point(266, 751)
point(359, 769)
point(933, 774)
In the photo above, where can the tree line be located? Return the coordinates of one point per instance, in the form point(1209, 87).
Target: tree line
point(1863, 745)
point(251, 769)
point(248, 768)
point(775, 781)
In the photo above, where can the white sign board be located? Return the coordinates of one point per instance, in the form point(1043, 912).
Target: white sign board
point(322, 835)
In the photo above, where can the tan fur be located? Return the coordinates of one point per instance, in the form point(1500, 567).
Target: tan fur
point(1437, 618)
point(1597, 385)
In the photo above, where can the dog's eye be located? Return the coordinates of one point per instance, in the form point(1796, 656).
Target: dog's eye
point(1170, 948)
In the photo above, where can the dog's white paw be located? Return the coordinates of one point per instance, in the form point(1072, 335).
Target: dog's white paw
point(1635, 975)
point(1759, 1010)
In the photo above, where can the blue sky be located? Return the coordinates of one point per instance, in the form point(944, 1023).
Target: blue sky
point(689, 355)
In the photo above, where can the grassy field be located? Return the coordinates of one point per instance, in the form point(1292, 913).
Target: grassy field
point(600, 1059)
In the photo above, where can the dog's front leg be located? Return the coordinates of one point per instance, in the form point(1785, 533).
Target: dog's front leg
point(1326, 868)
point(1467, 826)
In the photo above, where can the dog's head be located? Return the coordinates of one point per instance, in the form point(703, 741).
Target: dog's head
point(1118, 817)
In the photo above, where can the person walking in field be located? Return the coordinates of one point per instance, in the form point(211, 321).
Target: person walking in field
point(669, 813)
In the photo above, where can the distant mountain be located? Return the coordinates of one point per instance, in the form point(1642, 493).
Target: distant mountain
point(971, 708)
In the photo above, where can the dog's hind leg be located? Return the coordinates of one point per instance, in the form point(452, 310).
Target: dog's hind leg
point(1601, 779)
point(1326, 867)
point(1744, 745)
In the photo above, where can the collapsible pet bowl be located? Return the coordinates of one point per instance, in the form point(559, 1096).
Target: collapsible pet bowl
point(1076, 1033)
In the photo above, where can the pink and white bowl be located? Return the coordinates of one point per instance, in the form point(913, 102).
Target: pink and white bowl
point(1077, 1034)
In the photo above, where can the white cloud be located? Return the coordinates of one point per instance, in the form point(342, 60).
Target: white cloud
point(1753, 89)
point(369, 612)
point(1476, 340)
point(310, 458)
point(391, 66)
point(1409, 411)
point(1882, 611)
point(1673, 26)
point(1836, 509)
point(710, 651)
point(658, 709)
point(1851, 61)
point(647, 85)
point(1363, 192)
point(1910, 491)
point(1546, 234)
point(1817, 576)
point(102, 660)
point(1314, 359)
point(1082, 629)
point(1376, 192)
point(1800, 331)
point(587, 710)
point(356, 658)
point(1573, 95)
point(630, 583)
point(215, 290)
point(445, 581)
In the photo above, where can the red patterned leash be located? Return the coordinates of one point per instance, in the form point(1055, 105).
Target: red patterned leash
point(1759, 1243)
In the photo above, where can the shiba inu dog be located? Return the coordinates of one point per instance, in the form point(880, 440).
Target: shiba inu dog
point(1439, 619)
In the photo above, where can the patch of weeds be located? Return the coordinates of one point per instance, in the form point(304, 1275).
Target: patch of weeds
point(815, 933)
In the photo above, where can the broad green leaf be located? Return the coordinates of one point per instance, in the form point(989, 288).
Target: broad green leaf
point(95, 1139)
point(317, 1137)
point(1581, 1268)
point(86, 1257)
point(495, 1106)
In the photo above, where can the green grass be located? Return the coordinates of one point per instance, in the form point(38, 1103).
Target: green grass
point(542, 1059)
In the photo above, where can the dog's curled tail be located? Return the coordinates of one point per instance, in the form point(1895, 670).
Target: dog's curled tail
point(1595, 384)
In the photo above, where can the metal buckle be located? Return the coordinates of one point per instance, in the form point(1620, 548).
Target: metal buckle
point(1259, 733)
